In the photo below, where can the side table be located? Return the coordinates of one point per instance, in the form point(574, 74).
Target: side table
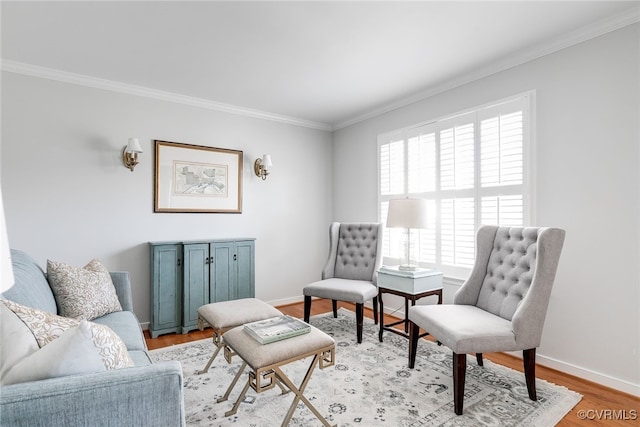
point(412, 286)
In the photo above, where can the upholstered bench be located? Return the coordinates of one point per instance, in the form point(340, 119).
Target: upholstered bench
point(225, 315)
point(265, 361)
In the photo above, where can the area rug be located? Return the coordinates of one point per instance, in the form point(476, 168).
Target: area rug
point(370, 385)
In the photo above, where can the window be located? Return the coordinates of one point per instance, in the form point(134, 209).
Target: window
point(473, 168)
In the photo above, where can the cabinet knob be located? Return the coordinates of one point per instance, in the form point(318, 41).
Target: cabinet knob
point(179, 262)
point(235, 257)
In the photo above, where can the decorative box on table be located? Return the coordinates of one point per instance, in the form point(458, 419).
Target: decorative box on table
point(410, 281)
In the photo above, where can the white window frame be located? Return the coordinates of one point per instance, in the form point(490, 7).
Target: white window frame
point(527, 101)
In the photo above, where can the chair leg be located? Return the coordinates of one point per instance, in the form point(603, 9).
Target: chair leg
point(334, 306)
point(375, 310)
point(479, 359)
point(529, 359)
point(459, 372)
point(359, 321)
point(414, 334)
point(307, 308)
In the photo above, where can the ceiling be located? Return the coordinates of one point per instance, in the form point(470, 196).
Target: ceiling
point(325, 64)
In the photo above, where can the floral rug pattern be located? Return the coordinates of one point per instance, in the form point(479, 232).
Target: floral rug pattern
point(370, 385)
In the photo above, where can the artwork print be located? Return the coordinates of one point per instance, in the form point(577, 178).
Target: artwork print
point(196, 178)
point(203, 179)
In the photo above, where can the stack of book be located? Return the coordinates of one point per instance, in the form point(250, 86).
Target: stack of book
point(276, 329)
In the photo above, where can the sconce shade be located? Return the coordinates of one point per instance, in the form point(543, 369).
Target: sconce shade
point(407, 213)
point(6, 272)
point(133, 146)
point(261, 166)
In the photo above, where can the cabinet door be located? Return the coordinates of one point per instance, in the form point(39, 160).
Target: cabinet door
point(245, 276)
point(166, 289)
point(222, 272)
point(196, 283)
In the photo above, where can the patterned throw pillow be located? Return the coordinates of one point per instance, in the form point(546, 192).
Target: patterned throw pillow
point(46, 327)
point(82, 293)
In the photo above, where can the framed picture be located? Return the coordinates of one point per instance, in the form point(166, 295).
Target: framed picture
point(195, 178)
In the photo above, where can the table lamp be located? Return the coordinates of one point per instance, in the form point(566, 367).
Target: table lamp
point(407, 213)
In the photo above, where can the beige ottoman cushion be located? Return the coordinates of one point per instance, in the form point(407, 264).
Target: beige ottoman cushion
point(227, 314)
point(259, 356)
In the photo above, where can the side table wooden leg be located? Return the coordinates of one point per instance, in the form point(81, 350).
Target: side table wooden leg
point(406, 315)
point(381, 316)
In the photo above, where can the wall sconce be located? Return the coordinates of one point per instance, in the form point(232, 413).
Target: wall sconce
point(130, 153)
point(261, 166)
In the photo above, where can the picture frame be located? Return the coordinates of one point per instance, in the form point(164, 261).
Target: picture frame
point(195, 178)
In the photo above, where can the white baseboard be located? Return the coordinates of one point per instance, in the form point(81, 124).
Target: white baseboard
point(286, 301)
point(589, 375)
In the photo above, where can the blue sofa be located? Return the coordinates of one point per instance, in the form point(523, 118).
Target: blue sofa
point(146, 394)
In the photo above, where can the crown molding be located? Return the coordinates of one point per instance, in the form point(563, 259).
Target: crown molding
point(615, 22)
point(110, 85)
point(599, 28)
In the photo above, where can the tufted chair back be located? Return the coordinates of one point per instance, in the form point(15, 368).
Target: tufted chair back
point(513, 274)
point(354, 250)
point(510, 270)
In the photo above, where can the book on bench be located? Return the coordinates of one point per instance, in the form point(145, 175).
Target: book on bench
point(276, 329)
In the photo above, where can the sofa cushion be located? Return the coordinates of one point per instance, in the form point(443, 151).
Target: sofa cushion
point(140, 358)
point(83, 293)
point(46, 327)
point(74, 352)
point(31, 287)
point(125, 324)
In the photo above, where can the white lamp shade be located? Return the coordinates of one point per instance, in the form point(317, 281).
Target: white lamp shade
point(6, 270)
point(407, 213)
point(134, 146)
point(266, 161)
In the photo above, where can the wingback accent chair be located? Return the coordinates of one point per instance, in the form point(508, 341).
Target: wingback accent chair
point(501, 306)
point(351, 271)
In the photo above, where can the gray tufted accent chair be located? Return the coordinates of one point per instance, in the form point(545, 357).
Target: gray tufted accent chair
point(501, 306)
point(351, 271)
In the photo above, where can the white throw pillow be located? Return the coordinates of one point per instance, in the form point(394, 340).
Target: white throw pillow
point(74, 352)
point(47, 327)
point(82, 293)
point(17, 341)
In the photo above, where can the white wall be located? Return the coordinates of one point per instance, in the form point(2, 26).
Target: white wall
point(69, 198)
point(587, 182)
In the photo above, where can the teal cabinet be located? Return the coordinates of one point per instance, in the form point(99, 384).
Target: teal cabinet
point(166, 289)
point(197, 273)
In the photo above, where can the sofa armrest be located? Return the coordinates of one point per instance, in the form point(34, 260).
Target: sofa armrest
point(122, 283)
point(146, 396)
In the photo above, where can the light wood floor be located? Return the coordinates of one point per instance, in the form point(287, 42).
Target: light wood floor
point(604, 406)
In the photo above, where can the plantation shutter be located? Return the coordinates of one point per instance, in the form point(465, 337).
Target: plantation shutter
point(472, 169)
